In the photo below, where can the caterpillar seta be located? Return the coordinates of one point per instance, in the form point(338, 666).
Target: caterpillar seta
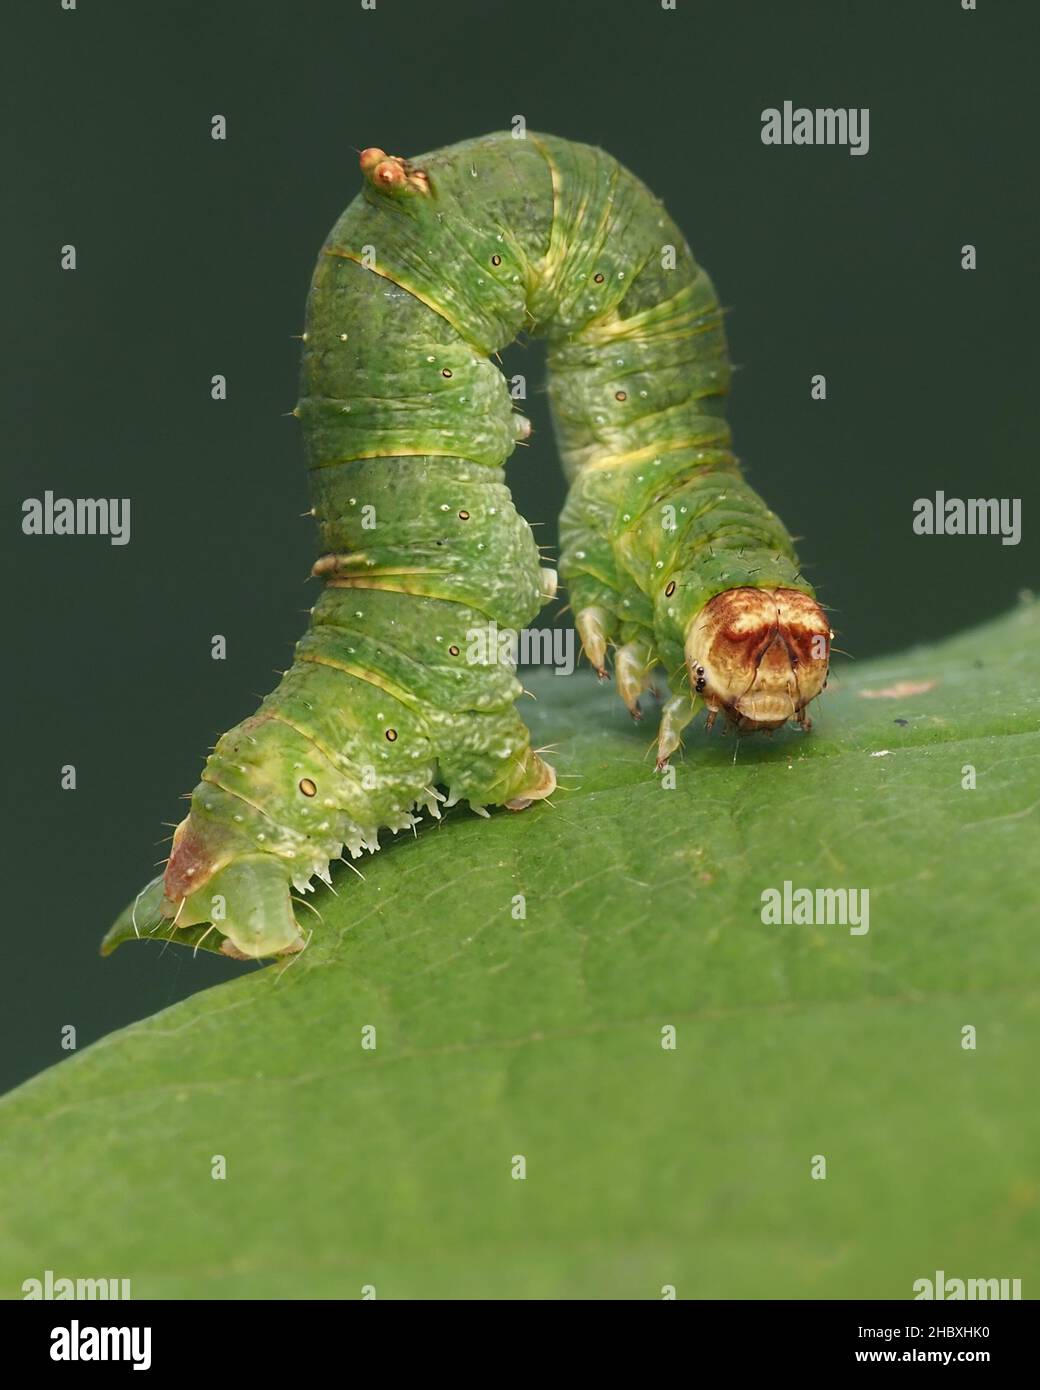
point(669, 556)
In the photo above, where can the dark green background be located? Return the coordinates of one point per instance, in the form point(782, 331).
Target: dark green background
point(194, 258)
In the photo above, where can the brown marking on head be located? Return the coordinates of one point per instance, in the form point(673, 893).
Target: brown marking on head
point(759, 655)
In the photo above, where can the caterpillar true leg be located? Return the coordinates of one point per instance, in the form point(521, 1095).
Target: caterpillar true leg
point(632, 671)
point(675, 716)
point(595, 628)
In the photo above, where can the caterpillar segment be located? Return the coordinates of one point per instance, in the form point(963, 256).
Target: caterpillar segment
point(669, 557)
point(393, 704)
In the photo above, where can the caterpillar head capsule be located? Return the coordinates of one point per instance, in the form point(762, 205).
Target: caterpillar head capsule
point(759, 656)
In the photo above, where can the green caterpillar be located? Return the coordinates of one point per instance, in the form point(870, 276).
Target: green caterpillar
point(435, 266)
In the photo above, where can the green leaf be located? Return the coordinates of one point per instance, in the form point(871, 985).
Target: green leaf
point(542, 1037)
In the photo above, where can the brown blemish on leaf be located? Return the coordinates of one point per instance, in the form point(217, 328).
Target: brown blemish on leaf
point(899, 691)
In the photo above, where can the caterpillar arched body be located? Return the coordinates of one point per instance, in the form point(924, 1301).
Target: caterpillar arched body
point(437, 264)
